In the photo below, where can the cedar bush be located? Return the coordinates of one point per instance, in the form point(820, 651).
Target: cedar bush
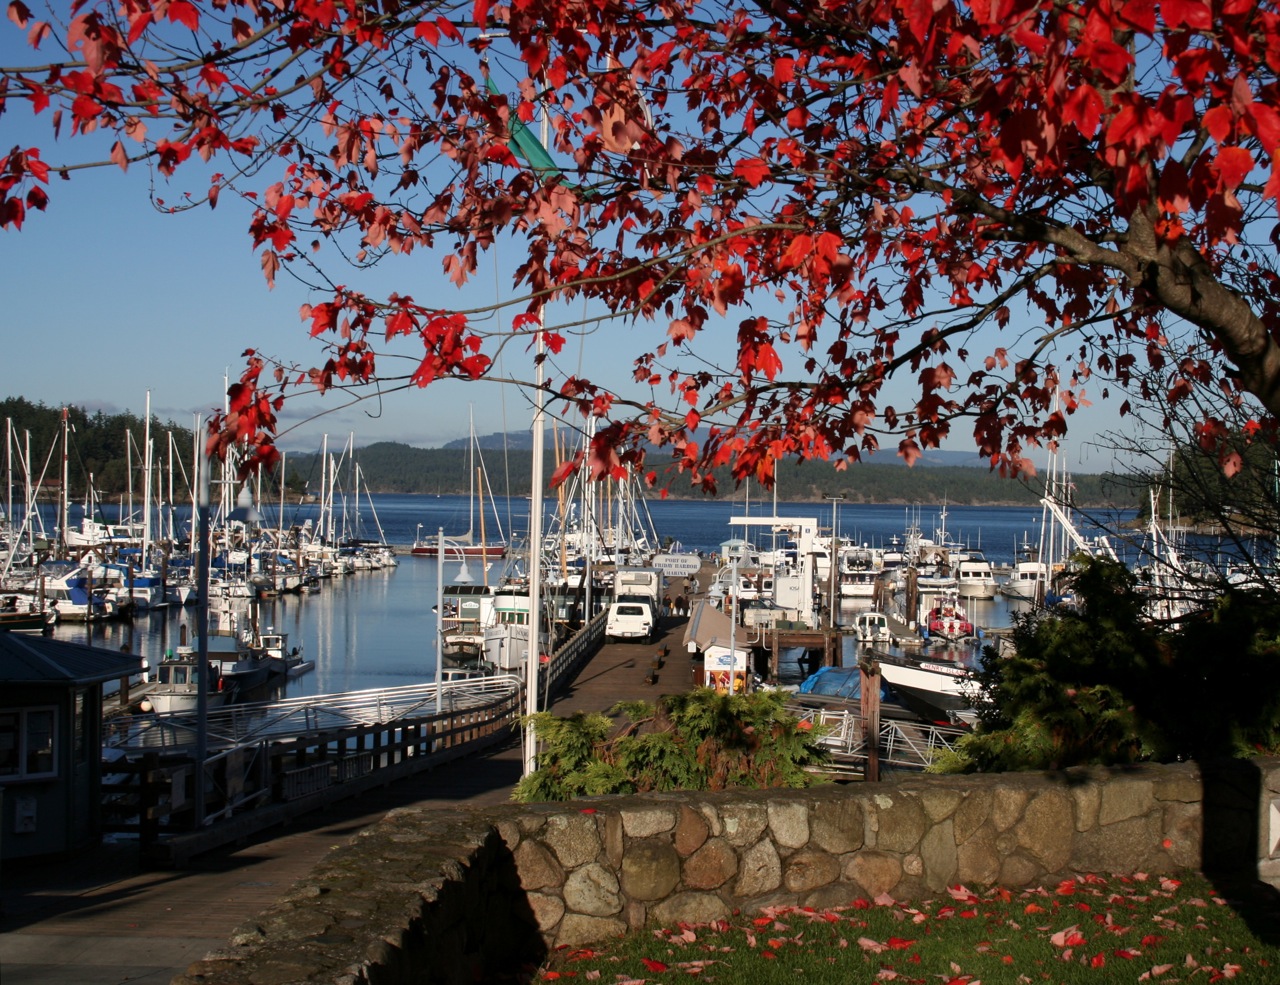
point(1103, 684)
point(699, 740)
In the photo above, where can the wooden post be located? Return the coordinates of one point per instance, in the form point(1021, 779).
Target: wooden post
point(148, 802)
point(869, 670)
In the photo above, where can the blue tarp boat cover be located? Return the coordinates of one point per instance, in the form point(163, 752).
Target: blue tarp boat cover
point(835, 682)
point(842, 682)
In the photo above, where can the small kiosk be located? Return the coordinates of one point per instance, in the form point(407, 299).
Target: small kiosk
point(51, 742)
point(709, 632)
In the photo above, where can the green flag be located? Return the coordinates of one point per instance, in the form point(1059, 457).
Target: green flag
point(526, 146)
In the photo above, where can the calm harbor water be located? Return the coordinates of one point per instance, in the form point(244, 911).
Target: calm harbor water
point(376, 629)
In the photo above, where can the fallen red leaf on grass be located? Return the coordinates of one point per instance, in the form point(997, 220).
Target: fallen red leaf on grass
point(653, 965)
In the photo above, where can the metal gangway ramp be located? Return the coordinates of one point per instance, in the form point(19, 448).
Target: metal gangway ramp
point(230, 726)
point(903, 744)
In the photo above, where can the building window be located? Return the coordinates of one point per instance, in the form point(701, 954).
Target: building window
point(27, 743)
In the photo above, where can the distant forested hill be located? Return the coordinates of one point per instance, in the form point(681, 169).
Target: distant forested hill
point(98, 445)
point(391, 467)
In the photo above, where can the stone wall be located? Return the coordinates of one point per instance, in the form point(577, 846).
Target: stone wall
point(459, 896)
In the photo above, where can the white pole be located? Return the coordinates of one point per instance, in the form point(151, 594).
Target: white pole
point(146, 487)
point(440, 621)
point(204, 464)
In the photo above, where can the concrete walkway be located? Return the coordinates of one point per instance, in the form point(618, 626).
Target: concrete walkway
point(101, 919)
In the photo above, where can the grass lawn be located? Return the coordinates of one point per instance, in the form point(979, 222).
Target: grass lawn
point(1089, 929)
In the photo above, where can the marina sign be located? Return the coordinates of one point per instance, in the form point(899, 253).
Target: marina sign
point(677, 565)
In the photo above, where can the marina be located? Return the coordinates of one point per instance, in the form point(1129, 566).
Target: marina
point(335, 663)
point(377, 629)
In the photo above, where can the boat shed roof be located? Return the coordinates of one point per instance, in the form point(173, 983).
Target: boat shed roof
point(28, 659)
point(708, 627)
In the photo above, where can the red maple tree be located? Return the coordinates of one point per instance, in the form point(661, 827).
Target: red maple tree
point(859, 186)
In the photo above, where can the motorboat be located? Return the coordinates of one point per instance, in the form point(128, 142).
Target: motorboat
point(858, 573)
point(1027, 581)
point(24, 613)
point(948, 619)
point(872, 627)
point(975, 578)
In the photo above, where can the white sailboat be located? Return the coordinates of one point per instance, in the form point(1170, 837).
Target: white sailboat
point(480, 496)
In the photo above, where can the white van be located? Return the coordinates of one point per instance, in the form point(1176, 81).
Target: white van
point(631, 619)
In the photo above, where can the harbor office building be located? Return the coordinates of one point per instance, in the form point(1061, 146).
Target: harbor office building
point(51, 701)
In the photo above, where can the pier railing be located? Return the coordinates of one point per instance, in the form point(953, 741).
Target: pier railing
point(273, 761)
point(566, 661)
point(902, 744)
point(270, 761)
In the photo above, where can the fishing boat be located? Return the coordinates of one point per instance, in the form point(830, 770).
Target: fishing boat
point(274, 646)
point(935, 690)
point(177, 687)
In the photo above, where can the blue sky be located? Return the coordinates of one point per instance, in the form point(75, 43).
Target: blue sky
point(107, 299)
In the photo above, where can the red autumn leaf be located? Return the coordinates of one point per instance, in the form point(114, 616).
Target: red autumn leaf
point(753, 171)
point(900, 944)
point(183, 12)
point(653, 965)
point(428, 32)
point(1191, 15)
point(1234, 165)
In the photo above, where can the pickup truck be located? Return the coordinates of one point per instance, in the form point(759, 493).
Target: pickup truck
point(631, 618)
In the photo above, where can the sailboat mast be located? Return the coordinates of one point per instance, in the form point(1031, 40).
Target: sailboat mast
point(324, 476)
point(197, 470)
point(471, 476)
point(8, 469)
point(62, 493)
point(146, 482)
